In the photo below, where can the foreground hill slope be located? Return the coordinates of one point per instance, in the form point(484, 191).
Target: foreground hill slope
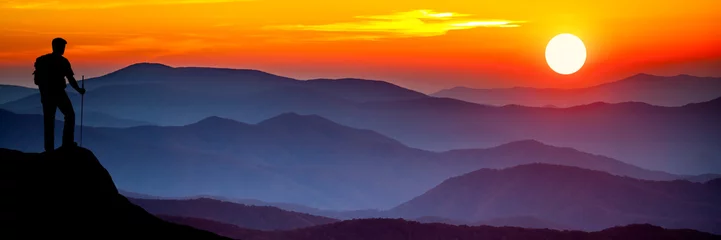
point(68, 193)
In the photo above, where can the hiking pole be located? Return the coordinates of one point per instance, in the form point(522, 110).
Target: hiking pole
point(82, 106)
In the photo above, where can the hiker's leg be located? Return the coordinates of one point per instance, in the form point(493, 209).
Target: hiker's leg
point(48, 119)
point(66, 107)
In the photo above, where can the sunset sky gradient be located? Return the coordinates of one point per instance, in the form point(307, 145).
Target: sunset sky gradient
point(424, 45)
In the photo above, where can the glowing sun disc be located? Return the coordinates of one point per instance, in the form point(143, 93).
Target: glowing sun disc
point(565, 53)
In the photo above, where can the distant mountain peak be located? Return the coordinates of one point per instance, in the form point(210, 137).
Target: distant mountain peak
point(551, 166)
point(526, 144)
point(363, 90)
point(641, 75)
point(627, 105)
point(535, 168)
point(216, 119)
point(251, 72)
point(461, 88)
point(141, 68)
point(147, 65)
point(684, 75)
point(218, 122)
point(351, 80)
point(285, 119)
point(457, 89)
point(645, 77)
point(638, 77)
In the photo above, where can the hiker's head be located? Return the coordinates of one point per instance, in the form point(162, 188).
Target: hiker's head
point(59, 46)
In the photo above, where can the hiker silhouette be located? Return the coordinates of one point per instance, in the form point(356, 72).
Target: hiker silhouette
point(50, 73)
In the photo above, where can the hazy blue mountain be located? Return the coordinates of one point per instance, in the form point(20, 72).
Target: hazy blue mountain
point(680, 140)
point(301, 159)
point(165, 95)
point(90, 118)
point(246, 201)
point(656, 90)
point(290, 158)
point(531, 151)
point(337, 214)
point(9, 93)
point(570, 196)
point(361, 90)
point(245, 216)
point(134, 195)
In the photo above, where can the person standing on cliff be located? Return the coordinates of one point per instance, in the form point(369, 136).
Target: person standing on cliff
point(50, 72)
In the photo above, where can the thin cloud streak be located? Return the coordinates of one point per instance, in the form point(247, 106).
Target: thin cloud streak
point(417, 23)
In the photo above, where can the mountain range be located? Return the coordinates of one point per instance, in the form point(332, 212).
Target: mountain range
point(578, 198)
point(252, 155)
point(680, 140)
point(655, 90)
point(148, 91)
point(644, 135)
point(220, 215)
point(9, 93)
point(250, 214)
point(46, 187)
point(291, 207)
point(302, 159)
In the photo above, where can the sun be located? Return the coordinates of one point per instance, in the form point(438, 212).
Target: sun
point(565, 53)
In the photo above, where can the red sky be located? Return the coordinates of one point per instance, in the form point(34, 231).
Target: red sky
point(424, 45)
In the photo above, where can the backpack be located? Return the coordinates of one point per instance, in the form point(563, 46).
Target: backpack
point(41, 71)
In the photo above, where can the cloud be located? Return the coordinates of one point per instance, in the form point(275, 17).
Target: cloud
point(95, 4)
point(417, 23)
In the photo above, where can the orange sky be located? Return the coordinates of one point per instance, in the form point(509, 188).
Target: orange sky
point(425, 45)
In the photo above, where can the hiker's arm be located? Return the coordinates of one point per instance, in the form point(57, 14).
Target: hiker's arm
point(74, 84)
point(71, 79)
